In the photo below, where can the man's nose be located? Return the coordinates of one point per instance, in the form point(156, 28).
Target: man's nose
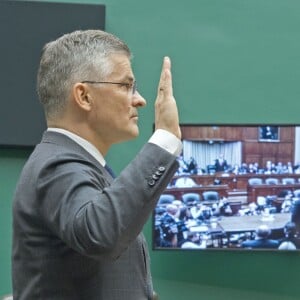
point(138, 100)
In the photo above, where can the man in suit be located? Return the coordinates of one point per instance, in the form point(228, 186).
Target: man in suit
point(262, 240)
point(221, 163)
point(76, 229)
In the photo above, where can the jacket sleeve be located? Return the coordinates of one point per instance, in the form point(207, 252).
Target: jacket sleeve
point(97, 219)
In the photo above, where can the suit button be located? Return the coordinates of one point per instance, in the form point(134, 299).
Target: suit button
point(161, 169)
point(151, 182)
point(158, 173)
point(155, 177)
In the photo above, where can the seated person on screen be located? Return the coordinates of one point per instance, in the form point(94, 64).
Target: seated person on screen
point(236, 169)
point(287, 204)
point(290, 169)
point(192, 167)
point(193, 241)
point(287, 245)
point(201, 212)
point(270, 168)
point(200, 171)
point(279, 168)
point(262, 239)
point(296, 168)
point(182, 165)
point(224, 207)
point(221, 163)
point(250, 210)
point(259, 170)
point(252, 168)
point(183, 213)
point(244, 169)
point(172, 227)
point(290, 237)
point(185, 181)
point(296, 215)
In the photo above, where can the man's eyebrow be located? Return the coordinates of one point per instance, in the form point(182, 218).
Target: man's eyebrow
point(129, 78)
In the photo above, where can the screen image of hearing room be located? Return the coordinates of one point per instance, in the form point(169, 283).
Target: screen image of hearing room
point(237, 187)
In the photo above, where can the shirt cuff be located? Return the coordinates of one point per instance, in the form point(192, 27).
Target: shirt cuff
point(167, 141)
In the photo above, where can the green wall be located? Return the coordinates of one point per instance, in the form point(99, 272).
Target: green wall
point(11, 162)
point(234, 61)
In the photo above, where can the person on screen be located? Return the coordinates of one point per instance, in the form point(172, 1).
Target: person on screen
point(223, 208)
point(250, 210)
point(182, 169)
point(290, 237)
point(244, 168)
point(191, 166)
point(295, 217)
point(201, 211)
point(257, 168)
point(289, 167)
point(221, 163)
point(262, 239)
point(279, 168)
point(193, 241)
point(296, 168)
point(172, 227)
point(287, 204)
point(287, 245)
point(270, 168)
point(77, 230)
point(184, 213)
point(185, 181)
point(252, 169)
point(236, 169)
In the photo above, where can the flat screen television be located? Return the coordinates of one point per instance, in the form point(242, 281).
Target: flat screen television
point(237, 188)
point(26, 27)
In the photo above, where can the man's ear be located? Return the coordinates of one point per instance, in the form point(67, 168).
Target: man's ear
point(81, 96)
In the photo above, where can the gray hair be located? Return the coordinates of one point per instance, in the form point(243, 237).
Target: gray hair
point(74, 57)
point(263, 231)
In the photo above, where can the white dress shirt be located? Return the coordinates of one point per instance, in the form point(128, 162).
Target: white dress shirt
point(160, 137)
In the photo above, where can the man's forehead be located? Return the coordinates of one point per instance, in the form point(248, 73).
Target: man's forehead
point(121, 66)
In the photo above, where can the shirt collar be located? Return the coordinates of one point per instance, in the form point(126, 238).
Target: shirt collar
point(90, 148)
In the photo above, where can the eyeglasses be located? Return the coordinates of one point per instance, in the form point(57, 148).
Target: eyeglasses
point(130, 86)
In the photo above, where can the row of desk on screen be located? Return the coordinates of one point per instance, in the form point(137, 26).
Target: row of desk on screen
point(178, 192)
point(235, 182)
point(254, 191)
point(231, 185)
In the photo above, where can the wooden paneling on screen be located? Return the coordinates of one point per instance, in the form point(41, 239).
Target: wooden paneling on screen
point(253, 149)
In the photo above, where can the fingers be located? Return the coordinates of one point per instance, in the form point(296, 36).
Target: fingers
point(166, 113)
point(165, 82)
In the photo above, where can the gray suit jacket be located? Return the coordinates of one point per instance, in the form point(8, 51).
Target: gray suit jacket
point(76, 231)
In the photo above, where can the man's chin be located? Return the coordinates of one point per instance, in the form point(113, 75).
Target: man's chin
point(134, 133)
point(130, 135)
